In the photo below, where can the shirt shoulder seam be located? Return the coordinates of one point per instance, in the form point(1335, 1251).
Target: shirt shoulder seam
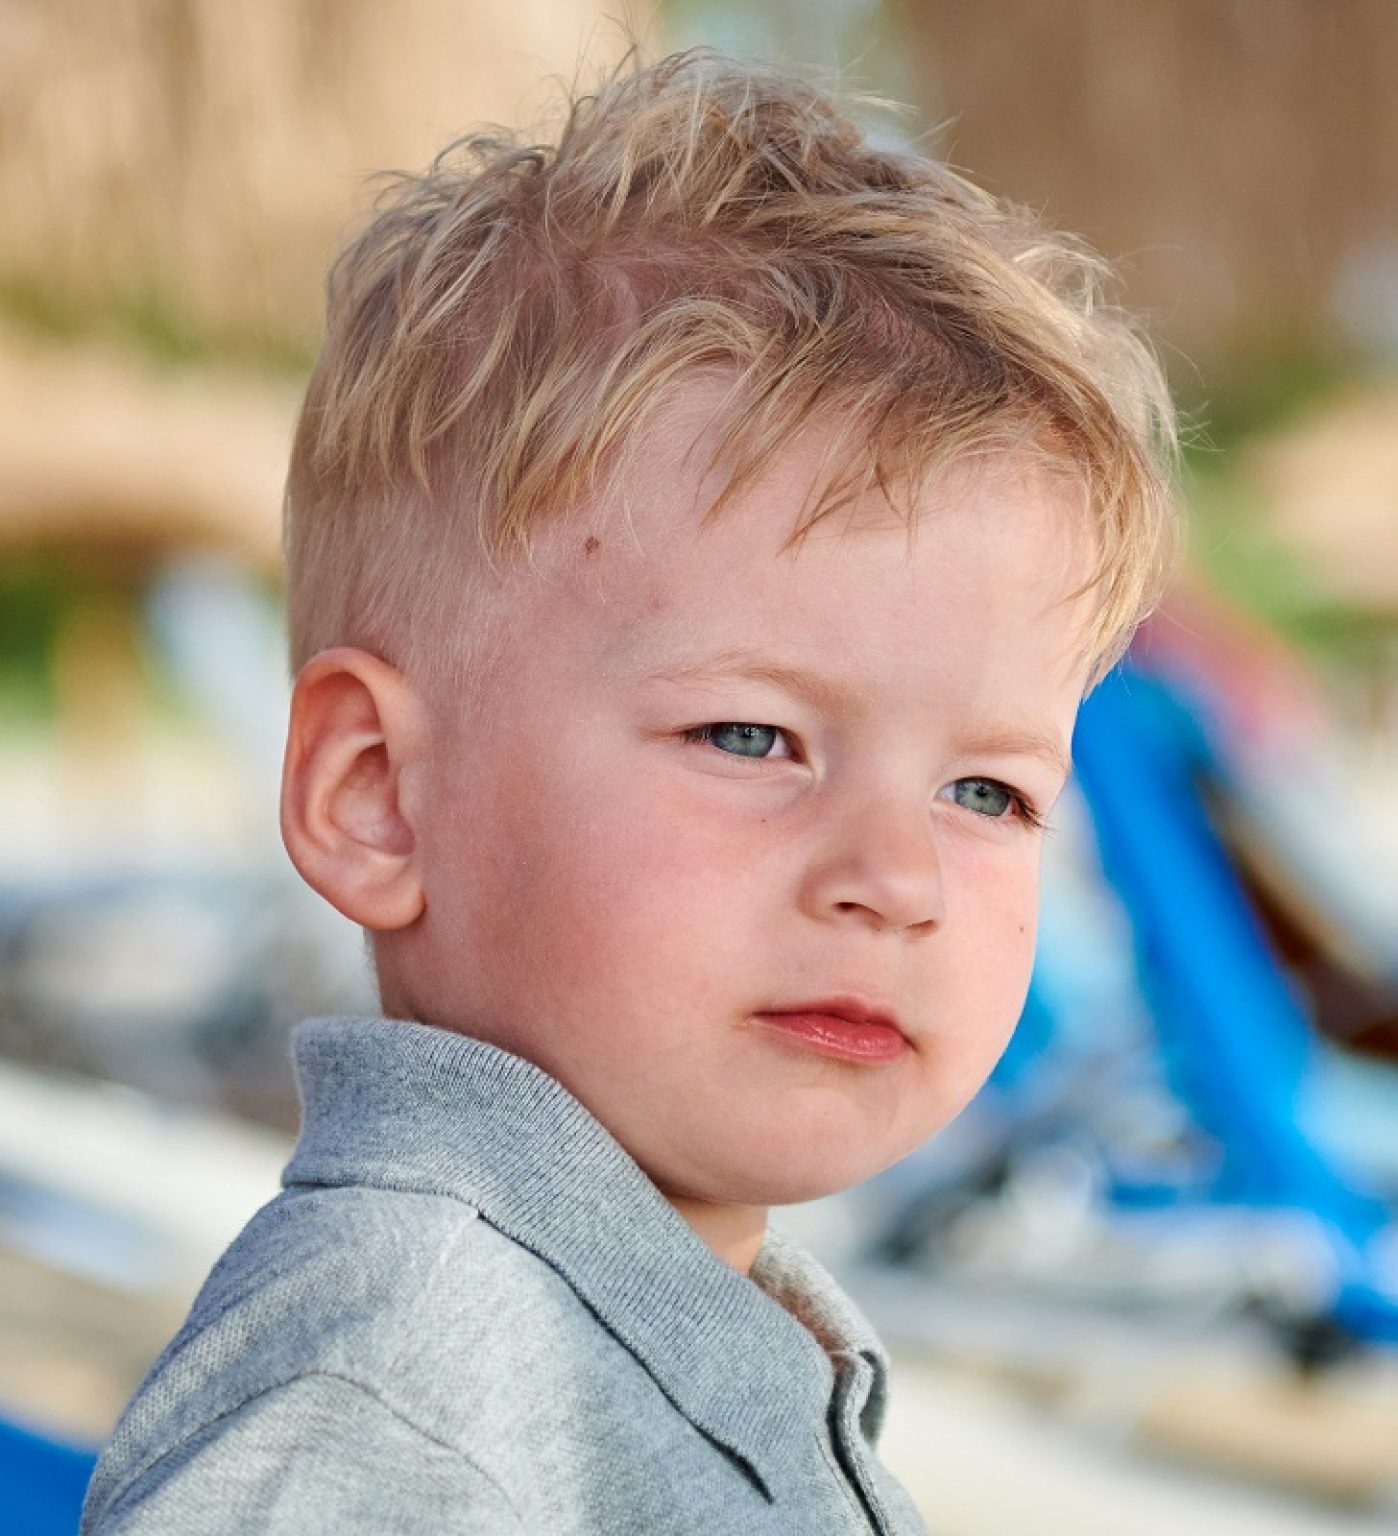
point(310, 1375)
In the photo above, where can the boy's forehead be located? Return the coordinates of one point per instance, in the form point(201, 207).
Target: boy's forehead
point(662, 513)
point(676, 466)
point(613, 551)
point(675, 472)
point(636, 579)
point(650, 585)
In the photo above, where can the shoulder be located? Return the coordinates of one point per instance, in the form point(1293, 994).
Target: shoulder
point(410, 1302)
point(380, 1286)
point(315, 1454)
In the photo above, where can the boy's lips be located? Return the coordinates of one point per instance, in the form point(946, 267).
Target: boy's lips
point(844, 1026)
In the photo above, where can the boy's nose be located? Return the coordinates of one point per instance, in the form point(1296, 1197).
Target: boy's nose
point(880, 867)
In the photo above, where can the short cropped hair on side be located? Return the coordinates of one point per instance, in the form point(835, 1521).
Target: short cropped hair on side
point(507, 324)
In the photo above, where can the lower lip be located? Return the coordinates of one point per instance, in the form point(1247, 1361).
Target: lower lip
point(839, 1037)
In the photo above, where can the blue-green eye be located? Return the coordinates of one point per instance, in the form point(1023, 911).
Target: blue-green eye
point(994, 801)
point(737, 738)
point(983, 795)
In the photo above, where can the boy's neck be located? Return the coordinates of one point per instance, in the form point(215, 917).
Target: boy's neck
point(734, 1232)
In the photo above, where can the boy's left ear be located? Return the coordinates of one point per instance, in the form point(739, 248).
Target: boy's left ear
point(356, 754)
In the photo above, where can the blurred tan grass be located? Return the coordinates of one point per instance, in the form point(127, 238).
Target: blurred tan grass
point(198, 160)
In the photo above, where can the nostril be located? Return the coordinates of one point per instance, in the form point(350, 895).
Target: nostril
point(880, 868)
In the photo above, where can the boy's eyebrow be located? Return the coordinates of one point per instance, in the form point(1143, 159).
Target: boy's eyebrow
point(1014, 741)
point(740, 661)
point(828, 693)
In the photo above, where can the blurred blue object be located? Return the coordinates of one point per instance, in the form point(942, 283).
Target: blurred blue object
point(1237, 1042)
point(1166, 1104)
point(43, 1482)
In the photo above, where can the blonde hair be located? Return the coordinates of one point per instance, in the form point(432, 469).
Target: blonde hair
point(508, 323)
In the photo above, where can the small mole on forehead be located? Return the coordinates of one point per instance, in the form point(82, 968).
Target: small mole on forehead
point(592, 544)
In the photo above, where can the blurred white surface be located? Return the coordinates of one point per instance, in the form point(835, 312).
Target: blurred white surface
point(979, 1462)
point(181, 1182)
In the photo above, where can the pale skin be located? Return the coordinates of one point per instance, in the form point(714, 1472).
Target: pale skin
point(565, 864)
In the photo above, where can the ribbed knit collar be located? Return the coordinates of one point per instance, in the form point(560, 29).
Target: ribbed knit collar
point(397, 1105)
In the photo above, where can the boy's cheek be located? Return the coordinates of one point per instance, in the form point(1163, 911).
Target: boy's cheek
point(576, 877)
point(983, 957)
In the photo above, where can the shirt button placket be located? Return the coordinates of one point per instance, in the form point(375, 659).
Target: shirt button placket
point(853, 1380)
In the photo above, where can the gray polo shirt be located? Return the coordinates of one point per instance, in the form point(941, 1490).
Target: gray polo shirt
point(470, 1311)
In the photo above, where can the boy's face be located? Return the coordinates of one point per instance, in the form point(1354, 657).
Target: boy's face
point(620, 899)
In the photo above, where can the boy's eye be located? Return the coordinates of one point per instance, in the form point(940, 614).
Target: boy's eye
point(987, 797)
point(738, 738)
point(990, 798)
point(983, 795)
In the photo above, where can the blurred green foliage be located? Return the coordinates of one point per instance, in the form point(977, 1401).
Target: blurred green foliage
point(37, 592)
point(1261, 394)
point(150, 324)
point(1265, 387)
point(44, 592)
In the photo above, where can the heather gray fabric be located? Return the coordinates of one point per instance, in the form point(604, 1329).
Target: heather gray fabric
point(470, 1311)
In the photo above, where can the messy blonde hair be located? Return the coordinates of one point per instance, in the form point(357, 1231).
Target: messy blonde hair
point(507, 325)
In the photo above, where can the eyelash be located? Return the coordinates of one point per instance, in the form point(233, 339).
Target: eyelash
point(1025, 809)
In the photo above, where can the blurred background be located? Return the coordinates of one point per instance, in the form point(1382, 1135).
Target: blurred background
point(1151, 1275)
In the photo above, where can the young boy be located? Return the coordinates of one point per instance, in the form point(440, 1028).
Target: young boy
point(701, 533)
